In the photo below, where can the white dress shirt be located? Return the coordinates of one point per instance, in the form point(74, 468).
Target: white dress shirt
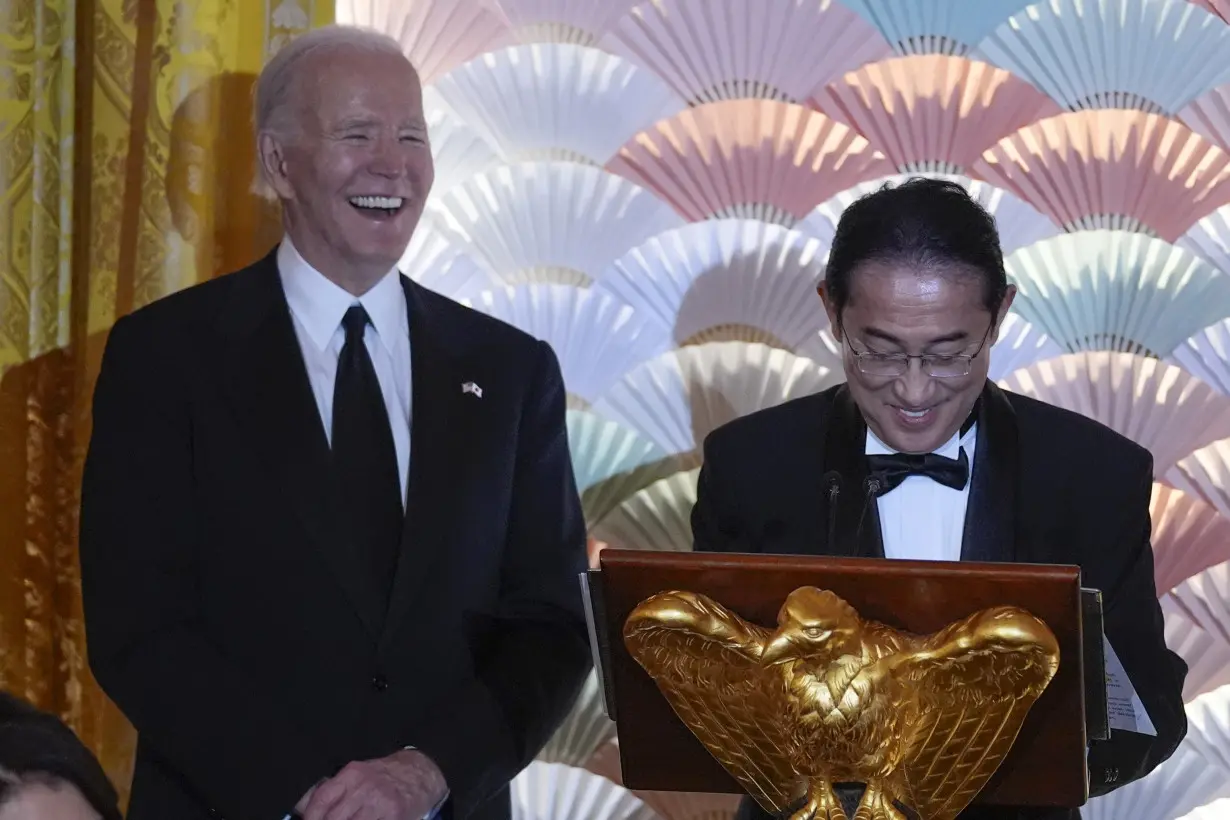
point(921, 518)
point(317, 306)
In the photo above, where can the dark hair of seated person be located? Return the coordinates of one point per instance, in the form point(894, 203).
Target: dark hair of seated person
point(37, 749)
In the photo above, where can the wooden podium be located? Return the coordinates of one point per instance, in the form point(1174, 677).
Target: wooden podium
point(1046, 766)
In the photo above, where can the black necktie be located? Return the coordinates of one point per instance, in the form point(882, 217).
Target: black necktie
point(894, 468)
point(364, 458)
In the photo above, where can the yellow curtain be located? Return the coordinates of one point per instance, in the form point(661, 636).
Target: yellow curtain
point(126, 170)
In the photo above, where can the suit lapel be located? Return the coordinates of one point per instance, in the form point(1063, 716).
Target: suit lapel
point(857, 526)
point(991, 525)
point(267, 386)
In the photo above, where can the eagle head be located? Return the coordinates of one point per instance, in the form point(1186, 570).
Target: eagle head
point(813, 624)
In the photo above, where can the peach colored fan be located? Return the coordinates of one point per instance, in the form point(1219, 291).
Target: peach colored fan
point(1219, 7)
point(1157, 405)
point(756, 159)
point(1112, 169)
point(931, 112)
point(1209, 115)
point(710, 50)
point(1189, 536)
point(1197, 614)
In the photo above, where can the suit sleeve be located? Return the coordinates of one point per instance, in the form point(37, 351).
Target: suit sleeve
point(713, 529)
point(193, 708)
point(1134, 627)
point(535, 651)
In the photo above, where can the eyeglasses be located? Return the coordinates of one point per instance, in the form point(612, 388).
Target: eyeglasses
point(935, 365)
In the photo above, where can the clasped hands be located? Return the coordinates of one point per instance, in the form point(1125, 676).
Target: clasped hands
point(406, 785)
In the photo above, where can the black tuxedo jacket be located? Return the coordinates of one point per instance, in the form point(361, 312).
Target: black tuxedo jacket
point(231, 622)
point(1048, 487)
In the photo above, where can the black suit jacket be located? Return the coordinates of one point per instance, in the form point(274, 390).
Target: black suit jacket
point(226, 614)
point(1048, 487)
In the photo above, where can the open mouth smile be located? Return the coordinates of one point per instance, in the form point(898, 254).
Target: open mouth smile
point(380, 207)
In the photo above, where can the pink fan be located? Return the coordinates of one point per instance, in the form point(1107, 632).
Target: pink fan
point(1205, 474)
point(1219, 7)
point(709, 50)
point(436, 36)
point(1197, 614)
point(754, 159)
point(933, 113)
point(1113, 169)
point(1157, 405)
point(1189, 536)
point(1209, 115)
point(581, 22)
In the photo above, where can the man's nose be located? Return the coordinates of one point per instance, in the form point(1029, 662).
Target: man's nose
point(386, 158)
point(912, 386)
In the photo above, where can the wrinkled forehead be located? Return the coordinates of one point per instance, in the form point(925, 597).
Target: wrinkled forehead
point(909, 300)
point(351, 81)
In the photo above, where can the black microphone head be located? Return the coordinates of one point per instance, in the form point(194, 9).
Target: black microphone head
point(832, 482)
point(872, 484)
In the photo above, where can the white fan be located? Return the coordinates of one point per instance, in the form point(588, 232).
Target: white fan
point(1189, 536)
point(1210, 239)
point(755, 159)
point(1217, 810)
point(656, 518)
point(669, 805)
point(1018, 223)
point(1197, 614)
point(1197, 773)
point(935, 26)
point(725, 280)
point(557, 101)
point(597, 338)
point(930, 112)
point(1122, 170)
point(680, 397)
point(553, 791)
point(458, 151)
point(1020, 345)
point(1205, 474)
point(1113, 290)
point(438, 265)
point(612, 463)
point(435, 36)
point(563, 21)
point(1209, 115)
point(1206, 356)
point(1154, 55)
point(556, 222)
point(711, 50)
point(1157, 405)
point(584, 730)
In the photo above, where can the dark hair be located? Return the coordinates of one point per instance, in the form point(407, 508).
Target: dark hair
point(923, 223)
point(35, 747)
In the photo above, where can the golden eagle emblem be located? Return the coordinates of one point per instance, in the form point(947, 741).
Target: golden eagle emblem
point(829, 698)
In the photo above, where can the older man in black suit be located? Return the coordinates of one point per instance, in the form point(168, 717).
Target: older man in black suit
point(330, 536)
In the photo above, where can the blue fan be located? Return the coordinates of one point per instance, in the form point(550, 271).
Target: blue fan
point(935, 26)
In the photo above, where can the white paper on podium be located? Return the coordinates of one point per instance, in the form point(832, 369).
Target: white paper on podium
point(1123, 705)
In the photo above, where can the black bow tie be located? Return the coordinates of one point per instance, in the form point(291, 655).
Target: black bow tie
point(895, 468)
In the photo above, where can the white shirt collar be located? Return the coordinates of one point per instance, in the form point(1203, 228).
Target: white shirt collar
point(950, 448)
point(320, 304)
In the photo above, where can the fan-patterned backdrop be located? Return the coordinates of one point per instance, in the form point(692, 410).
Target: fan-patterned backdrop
point(652, 188)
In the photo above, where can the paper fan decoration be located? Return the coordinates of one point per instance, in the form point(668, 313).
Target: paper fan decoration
point(1112, 169)
point(563, 21)
point(725, 280)
point(435, 36)
point(559, 222)
point(584, 730)
point(932, 112)
point(1018, 222)
point(1205, 473)
point(1219, 7)
point(438, 265)
point(668, 805)
point(710, 50)
point(754, 159)
point(1020, 345)
point(935, 26)
point(1197, 614)
point(553, 791)
point(1152, 55)
point(1217, 810)
point(612, 463)
point(458, 151)
point(1197, 773)
point(680, 397)
point(1210, 238)
point(1209, 115)
point(657, 518)
point(1157, 405)
point(1112, 290)
point(1189, 536)
point(596, 338)
point(1206, 356)
point(557, 101)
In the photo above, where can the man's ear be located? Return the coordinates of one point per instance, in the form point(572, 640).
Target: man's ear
point(271, 151)
point(1004, 305)
point(830, 308)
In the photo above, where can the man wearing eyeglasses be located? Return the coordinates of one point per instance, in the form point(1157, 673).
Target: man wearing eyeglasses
point(919, 456)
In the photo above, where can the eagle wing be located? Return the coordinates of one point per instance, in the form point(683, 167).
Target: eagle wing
point(975, 681)
point(706, 661)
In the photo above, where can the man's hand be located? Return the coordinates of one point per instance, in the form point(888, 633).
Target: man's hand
point(403, 786)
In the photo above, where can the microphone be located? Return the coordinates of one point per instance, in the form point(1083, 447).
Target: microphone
point(832, 488)
point(872, 485)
